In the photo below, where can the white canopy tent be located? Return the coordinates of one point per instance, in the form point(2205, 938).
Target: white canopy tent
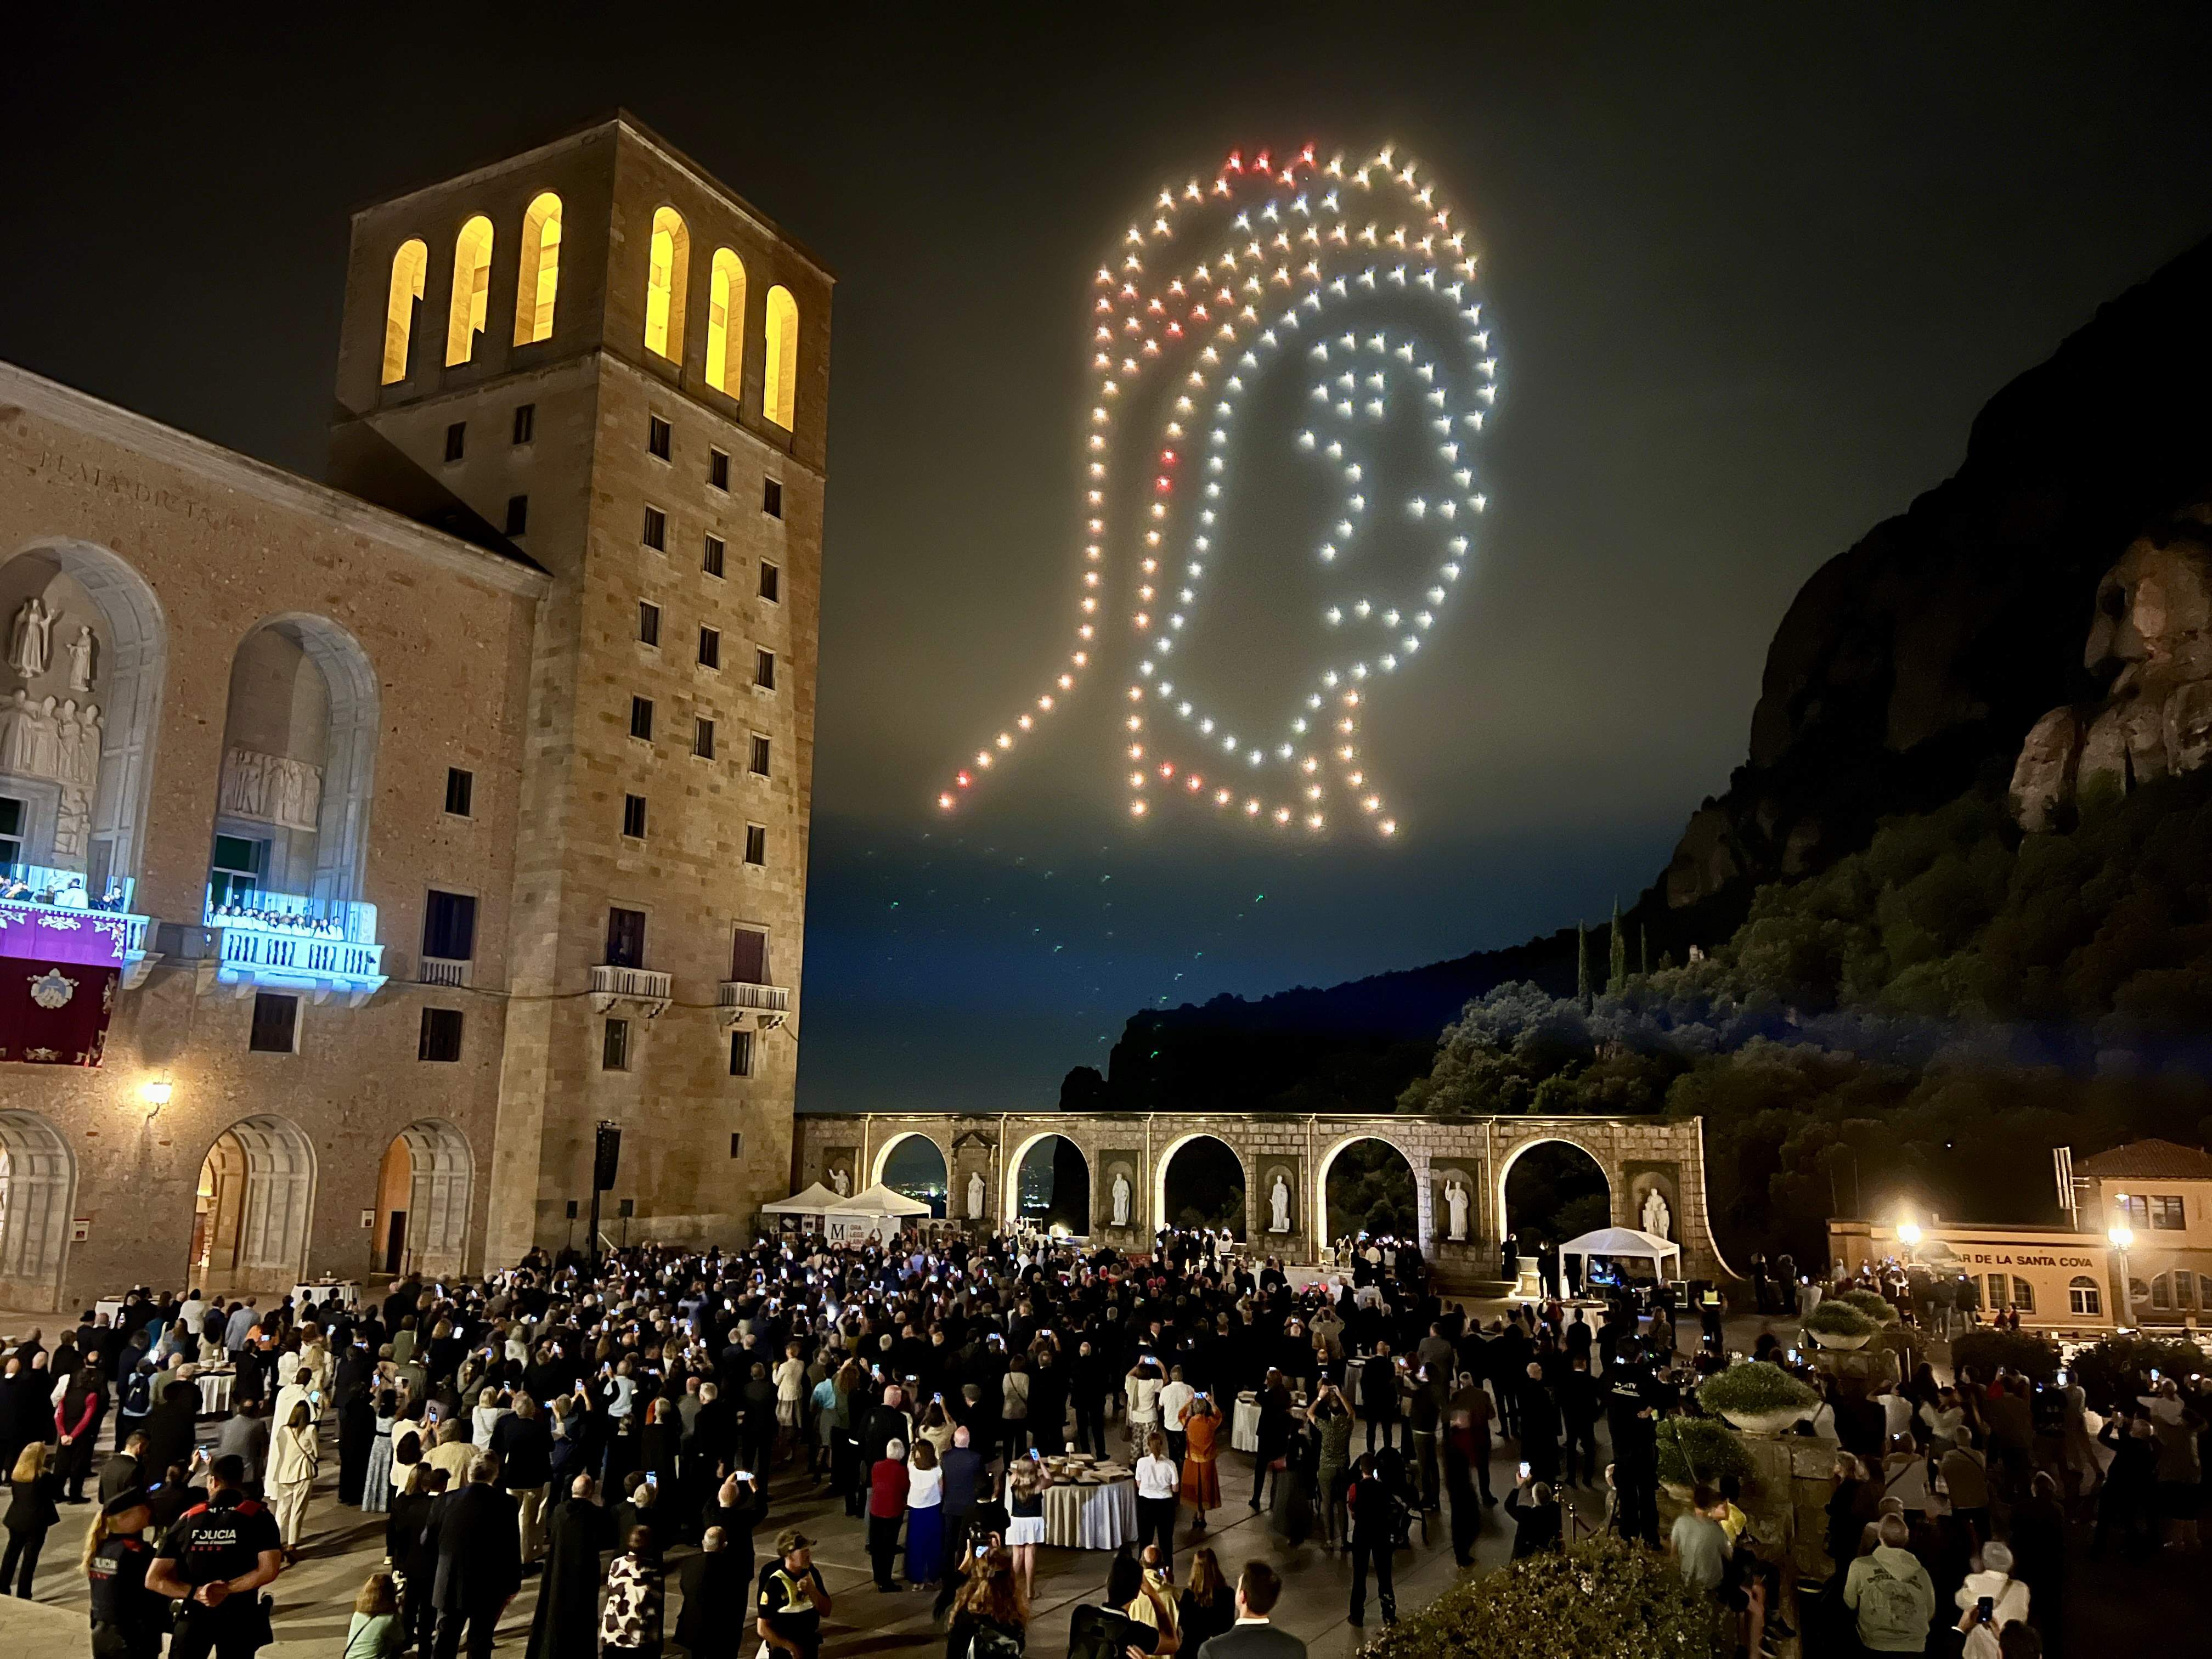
point(1629, 1243)
point(817, 1199)
point(864, 1215)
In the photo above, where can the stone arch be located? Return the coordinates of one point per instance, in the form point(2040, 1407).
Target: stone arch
point(38, 1184)
point(129, 662)
point(1323, 1237)
point(1010, 1196)
point(1165, 1160)
point(256, 1195)
point(331, 872)
point(1606, 1167)
point(879, 1161)
point(424, 1189)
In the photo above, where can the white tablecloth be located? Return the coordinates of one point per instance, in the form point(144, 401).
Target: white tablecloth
point(348, 1292)
point(1091, 1517)
point(215, 1392)
point(113, 1307)
point(1244, 1426)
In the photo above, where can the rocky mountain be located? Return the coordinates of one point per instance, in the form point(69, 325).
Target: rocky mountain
point(1909, 667)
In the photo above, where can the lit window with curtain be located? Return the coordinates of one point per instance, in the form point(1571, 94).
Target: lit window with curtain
point(725, 324)
point(539, 285)
point(471, 290)
point(407, 268)
point(780, 384)
point(666, 265)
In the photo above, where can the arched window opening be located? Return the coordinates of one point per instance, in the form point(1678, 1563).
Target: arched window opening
point(471, 290)
point(250, 1224)
point(38, 1179)
point(725, 324)
point(2085, 1297)
point(780, 390)
point(399, 307)
point(913, 1164)
point(540, 282)
point(1052, 1187)
point(1367, 1187)
point(666, 270)
point(1553, 1193)
point(1200, 1184)
point(423, 1191)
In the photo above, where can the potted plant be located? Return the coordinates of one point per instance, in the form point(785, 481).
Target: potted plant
point(1698, 1449)
point(1839, 1325)
point(1603, 1599)
point(1873, 1304)
point(1758, 1398)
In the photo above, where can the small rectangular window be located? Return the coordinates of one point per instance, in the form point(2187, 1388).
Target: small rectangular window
point(659, 439)
point(718, 469)
point(634, 816)
point(756, 844)
point(648, 622)
point(525, 422)
point(625, 937)
point(771, 582)
point(772, 497)
point(741, 1059)
point(518, 514)
point(2166, 1214)
point(614, 1047)
point(11, 830)
point(703, 738)
point(712, 564)
point(655, 534)
point(710, 648)
point(457, 440)
point(641, 718)
point(759, 765)
point(737, 1143)
point(275, 1025)
point(2135, 1211)
point(441, 1035)
point(449, 926)
point(460, 791)
point(764, 670)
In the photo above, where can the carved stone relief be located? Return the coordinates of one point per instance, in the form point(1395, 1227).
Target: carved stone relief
point(270, 789)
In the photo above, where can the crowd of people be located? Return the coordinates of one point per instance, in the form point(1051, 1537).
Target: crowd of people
point(584, 1423)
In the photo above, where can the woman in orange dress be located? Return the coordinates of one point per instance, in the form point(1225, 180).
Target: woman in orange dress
point(1201, 1484)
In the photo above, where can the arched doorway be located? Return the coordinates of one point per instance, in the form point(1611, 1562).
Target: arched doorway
point(257, 1191)
point(912, 1164)
point(1550, 1191)
point(422, 1193)
point(37, 1180)
point(76, 734)
point(1200, 1183)
point(1050, 1186)
point(1366, 1185)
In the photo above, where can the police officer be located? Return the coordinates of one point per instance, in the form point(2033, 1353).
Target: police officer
point(128, 1619)
point(214, 1563)
point(791, 1598)
point(1631, 1413)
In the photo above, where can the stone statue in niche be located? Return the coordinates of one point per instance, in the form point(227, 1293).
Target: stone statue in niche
point(30, 644)
point(1658, 1219)
point(1121, 1200)
point(976, 1197)
point(1279, 1210)
point(839, 1182)
point(271, 789)
point(1455, 1202)
point(81, 659)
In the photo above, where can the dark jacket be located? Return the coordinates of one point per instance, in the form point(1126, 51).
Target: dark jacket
point(525, 1446)
point(717, 1590)
point(479, 1551)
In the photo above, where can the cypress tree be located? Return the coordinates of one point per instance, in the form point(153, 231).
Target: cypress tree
point(1581, 967)
point(1616, 956)
point(1644, 949)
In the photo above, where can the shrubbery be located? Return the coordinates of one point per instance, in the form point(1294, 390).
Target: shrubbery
point(1985, 1350)
point(1755, 1388)
point(2119, 1367)
point(1839, 1318)
point(1700, 1448)
point(1604, 1599)
point(1873, 1304)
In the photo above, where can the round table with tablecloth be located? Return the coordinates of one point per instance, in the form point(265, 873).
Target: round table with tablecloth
point(348, 1292)
point(113, 1307)
point(1100, 1517)
point(214, 1391)
point(1244, 1426)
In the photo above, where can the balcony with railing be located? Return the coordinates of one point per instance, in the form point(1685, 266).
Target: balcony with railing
point(441, 971)
point(639, 990)
point(767, 1006)
point(316, 948)
point(49, 914)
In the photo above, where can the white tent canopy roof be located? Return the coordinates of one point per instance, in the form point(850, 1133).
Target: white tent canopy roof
point(1621, 1242)
point(877, 1200)
point(813, 1201)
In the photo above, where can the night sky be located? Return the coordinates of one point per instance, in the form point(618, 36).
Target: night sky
point(1749, 285)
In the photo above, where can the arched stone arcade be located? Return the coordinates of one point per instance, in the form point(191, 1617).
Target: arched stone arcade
point(1459, 1165)
point(37, 1181)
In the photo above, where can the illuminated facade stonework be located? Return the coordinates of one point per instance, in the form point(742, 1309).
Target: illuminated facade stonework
point(423, 822)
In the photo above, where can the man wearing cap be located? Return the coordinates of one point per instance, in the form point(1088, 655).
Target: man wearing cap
point(128, 1621)
point(793, 1598)
point(215, 1561)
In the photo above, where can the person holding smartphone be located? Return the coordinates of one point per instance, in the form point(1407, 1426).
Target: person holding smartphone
point(1988, 1601)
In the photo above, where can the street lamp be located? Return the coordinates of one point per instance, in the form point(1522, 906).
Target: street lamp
point(1908, 1234)
point(2122, 1237)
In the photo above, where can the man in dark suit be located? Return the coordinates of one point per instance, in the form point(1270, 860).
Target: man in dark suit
point(479, 1548)
point(1251, 1636)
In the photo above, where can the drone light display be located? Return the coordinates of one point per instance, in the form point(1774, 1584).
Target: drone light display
point(1262, 270)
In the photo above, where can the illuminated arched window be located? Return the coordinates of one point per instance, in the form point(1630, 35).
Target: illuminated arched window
point(472, 289)
point(540, 282)
point(780, 390)
point(665, 273)
point(407, 267)
point(725, 324)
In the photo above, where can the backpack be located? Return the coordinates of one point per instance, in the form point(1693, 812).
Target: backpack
point(990, 1642)
point(1890, 1611)
point(138, 1394)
